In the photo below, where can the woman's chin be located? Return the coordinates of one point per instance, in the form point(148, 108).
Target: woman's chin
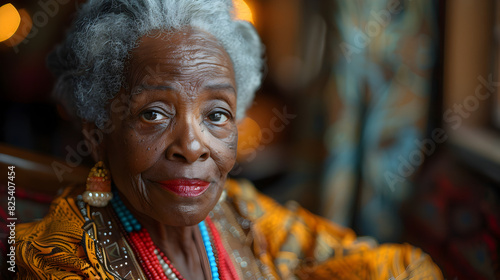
point(189, 212)
point(183, 219)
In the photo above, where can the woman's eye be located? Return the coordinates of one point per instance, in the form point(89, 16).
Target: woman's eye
point(218, 118)
point(152, 116)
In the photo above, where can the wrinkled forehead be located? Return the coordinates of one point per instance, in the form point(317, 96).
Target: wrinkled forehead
point(181, 53)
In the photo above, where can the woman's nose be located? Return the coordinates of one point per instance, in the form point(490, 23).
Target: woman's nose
point(188, 144)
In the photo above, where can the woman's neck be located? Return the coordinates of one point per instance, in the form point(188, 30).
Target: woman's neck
point(182, 245)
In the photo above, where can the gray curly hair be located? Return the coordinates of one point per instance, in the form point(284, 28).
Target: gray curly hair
point(89, 65)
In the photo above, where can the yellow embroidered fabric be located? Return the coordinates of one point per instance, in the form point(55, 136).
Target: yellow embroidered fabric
point(294, 243)
point(58, 246)
point(289, 242)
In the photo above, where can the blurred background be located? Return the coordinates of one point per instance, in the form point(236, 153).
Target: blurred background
point(380, 115)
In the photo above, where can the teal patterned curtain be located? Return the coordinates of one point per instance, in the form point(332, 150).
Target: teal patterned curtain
point(378, 93)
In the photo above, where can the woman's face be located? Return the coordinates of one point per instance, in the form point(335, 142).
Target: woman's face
point(169, 153)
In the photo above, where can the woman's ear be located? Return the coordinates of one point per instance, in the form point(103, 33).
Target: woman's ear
point(95, 139)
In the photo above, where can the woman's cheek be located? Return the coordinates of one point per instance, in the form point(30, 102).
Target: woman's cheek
point(232, 139)
point(224, 152)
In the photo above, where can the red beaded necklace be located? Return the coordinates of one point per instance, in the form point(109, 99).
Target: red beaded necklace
point(143, 245)
point(147, 252)
point(226, 268)
point(155, 263)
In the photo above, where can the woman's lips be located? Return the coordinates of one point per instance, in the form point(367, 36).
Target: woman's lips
point(186, 187)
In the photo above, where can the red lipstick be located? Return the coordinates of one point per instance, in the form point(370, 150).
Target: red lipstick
point(186, 187)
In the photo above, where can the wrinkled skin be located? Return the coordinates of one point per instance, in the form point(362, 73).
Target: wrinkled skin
point(179, 122)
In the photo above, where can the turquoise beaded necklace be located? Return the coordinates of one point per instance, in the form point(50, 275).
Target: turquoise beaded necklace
point(130, 224)
point(208, 249)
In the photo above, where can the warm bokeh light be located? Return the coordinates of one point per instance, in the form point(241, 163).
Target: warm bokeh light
point(243, 11)
point(9, 21)
point(249, 137)
point(23, 30)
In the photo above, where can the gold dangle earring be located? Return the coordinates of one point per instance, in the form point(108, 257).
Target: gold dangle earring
point(98, 192)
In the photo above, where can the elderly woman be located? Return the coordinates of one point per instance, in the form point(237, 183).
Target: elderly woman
point(160, 86)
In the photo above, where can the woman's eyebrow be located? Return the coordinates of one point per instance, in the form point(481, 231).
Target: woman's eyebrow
point(147, 87)
point(212, 87)
point(221, 87)
point(155, 87)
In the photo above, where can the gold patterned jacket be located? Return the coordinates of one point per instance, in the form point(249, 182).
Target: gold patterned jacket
point(263, 239)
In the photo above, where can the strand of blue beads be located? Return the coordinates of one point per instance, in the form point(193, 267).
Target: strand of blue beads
point(128, 220)
point(209, 250)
